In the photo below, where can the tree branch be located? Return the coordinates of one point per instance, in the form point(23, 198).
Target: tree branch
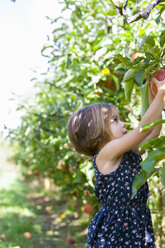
point(139, 15)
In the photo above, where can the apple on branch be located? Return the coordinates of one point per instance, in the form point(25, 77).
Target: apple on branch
point(159, 76)
point(136, 55)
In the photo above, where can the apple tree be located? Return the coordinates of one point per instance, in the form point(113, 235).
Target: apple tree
point(90, 60)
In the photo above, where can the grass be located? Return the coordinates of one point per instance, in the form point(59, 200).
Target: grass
point(16, 216)
point(26, 207)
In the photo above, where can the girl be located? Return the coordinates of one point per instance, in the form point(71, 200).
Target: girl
point(97, 130)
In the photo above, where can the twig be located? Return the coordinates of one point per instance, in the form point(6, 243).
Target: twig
point(125, 5)
point(139, 15)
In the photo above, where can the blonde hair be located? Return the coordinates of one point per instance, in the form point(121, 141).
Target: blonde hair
point(89, 128)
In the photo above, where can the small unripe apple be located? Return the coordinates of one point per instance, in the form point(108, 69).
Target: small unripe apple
point(27, 235)
point(67, 146)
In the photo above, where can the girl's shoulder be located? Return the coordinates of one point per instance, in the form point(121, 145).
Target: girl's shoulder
point(108, 168)
point(127, 158)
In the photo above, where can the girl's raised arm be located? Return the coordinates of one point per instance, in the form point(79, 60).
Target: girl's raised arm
point(156, 130)
point(118, 146)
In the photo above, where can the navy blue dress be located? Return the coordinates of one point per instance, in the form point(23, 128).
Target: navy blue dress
point(121, 222)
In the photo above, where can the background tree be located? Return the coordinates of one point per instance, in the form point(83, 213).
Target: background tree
point(89, 60)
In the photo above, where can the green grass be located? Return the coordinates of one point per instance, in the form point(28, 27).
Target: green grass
point(16, 216)
point(25, 208)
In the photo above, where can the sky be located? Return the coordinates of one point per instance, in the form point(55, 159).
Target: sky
point(24, 29)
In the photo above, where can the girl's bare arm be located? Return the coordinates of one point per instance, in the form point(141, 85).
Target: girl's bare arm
point(156, 130)
point(115, 148)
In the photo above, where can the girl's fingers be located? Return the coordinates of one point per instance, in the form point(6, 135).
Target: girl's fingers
point(158, 82)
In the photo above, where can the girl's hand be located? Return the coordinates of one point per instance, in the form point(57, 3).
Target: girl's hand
point(157, 85)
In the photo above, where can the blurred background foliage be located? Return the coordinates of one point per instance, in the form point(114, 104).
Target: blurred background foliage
point(89, 60)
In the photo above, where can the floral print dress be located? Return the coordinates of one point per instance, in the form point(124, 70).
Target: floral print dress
point(121, 222)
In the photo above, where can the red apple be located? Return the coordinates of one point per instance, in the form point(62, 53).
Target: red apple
point(27, 235)
point(88, 208)
point(136, 55)
point(160, 75)
point(36, 172)
point(70, 240)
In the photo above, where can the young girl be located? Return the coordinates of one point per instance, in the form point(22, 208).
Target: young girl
point(97, 130)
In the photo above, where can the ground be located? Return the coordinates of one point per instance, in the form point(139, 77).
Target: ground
point(26, 207)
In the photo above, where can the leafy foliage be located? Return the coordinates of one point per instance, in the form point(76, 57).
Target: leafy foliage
point(89, 61)
point(156, 153)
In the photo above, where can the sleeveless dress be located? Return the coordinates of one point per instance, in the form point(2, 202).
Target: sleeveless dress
point(121, 222)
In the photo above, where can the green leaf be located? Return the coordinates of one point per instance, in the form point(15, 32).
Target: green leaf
point(148, 41)
point(128, 87)
point(112, 12)
point(140, 76)
point(162, 40)
point(152, 159)
point(140, 179)
point(148, 165)
point(144, 99)
point(141, 32)
point(153, 124)
point(131, 73)
point(89, 173)
point(162, 174)
point(157, 20)
point(154, 143)
point(150, 68)
point(124, 60)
